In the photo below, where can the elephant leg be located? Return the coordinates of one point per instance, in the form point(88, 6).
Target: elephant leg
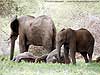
point(48, 45)
point(66, 54)
point(41, 58)
point(72, 47)
point(27, 46)
point(72, 55)
point(90, 52)
point(22, 43)
point(84, 54)
point(90, 57)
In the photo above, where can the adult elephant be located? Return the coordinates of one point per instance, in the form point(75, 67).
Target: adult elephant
point(38, 31)
point(74, 41)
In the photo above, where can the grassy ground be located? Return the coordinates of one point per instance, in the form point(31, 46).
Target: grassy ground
point(12, 68)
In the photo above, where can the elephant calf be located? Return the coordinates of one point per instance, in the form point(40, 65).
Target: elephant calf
point(74, 41)
point(29, 57)
point(26, 56)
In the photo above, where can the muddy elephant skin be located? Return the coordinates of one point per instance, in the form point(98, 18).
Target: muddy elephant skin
point(74, 41)
point(29, 57)
point(52, 56)
point(38, 31)
point(26, 56)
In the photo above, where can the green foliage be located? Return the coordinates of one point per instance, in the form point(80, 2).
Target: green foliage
point(13, 68)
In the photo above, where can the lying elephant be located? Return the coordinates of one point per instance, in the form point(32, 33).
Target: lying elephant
point(52, 56)
point(29, 57)
point(74, 41)
point(26, 56)
point(38, 31)
point(47, 58)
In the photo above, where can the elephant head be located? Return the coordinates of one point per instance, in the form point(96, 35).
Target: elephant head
point(63, 37)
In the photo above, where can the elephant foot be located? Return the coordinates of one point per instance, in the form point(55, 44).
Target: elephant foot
point(67, 61)
point(86, 61)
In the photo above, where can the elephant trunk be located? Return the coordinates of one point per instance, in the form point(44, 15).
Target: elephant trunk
point(13, 37)
point(14, 34)
point(12, 48)
point(58, 47)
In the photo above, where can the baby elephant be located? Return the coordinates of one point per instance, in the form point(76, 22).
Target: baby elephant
point(26, 56)
point(74, 41)
point(29, 57)
point(52, 56)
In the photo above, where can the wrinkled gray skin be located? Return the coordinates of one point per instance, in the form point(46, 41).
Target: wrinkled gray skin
point(38, 31)
point(29, 57)
point(74, 41)
point(26, 56)
point(52, 56)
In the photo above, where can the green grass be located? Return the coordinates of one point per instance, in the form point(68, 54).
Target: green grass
point(12, 68)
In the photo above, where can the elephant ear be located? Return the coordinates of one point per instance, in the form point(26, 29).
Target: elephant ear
point(14, 24)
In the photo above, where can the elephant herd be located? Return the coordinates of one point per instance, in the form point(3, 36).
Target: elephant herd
point(41, 31)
